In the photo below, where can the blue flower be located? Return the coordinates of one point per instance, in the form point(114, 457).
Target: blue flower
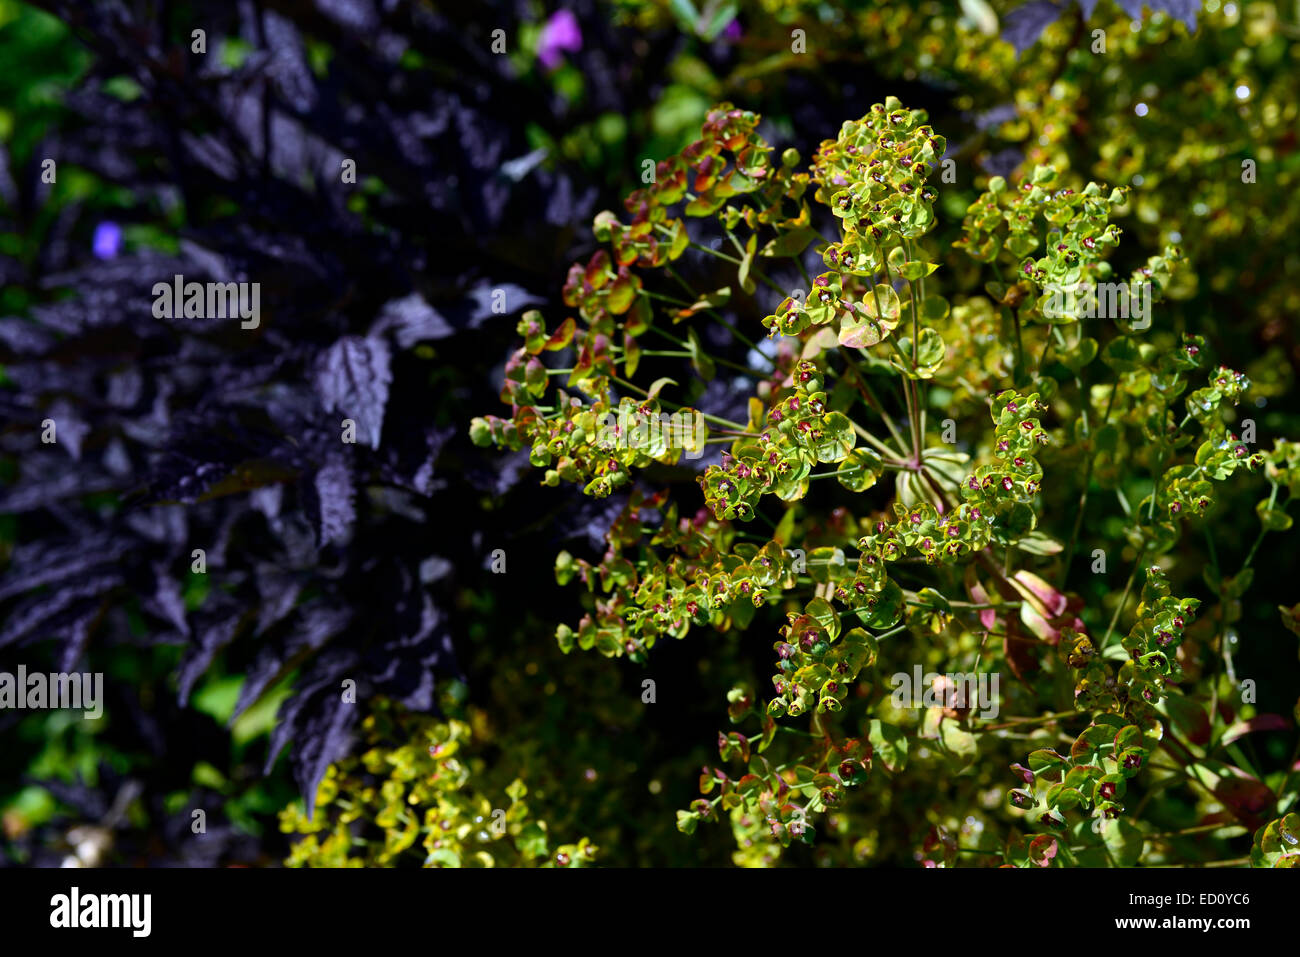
point(108, 240)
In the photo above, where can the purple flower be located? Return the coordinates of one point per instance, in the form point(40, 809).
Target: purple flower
point(561, 33)
point(108, 240)
point(732, 32)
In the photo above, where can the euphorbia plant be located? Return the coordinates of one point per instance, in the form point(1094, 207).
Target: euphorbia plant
point(867, 513)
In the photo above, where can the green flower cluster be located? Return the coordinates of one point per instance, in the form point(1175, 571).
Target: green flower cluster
point(422, 791)
point(929, 521)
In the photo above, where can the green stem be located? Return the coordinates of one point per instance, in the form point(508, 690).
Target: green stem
point(1087, 475)
point(872, 400)
point(1250, 556)
point(704, 415)
point(880, 446)
point(1123, 600)
point(753, 269)
point(913, 405)
point(1020, 348)
point(1037, 719)
point(686, 355)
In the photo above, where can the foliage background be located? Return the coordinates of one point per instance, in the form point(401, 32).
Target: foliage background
point(482, 172)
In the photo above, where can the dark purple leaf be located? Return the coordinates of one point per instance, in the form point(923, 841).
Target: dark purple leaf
point(353, 376)
point(314, 628)
point(218, 631)
point(334, 491)
point(42, 609)
point(45, 563)
point(167, 601)
point(1022, 26)
point(411, 320)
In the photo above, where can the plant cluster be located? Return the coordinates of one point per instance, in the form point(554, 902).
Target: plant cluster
point(939, 543)
point(201, 529)
point(419, 784)
point(850, 418)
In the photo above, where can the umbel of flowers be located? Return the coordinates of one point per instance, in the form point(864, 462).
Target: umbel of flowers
point(947, 554)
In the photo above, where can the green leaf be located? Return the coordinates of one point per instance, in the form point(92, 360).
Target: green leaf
point(1273, 519)
point(930, 598)
point(686, 14)
point(790, 243)
point(701, 361)
point(1123, 840)
point(564, 637)
point(565, 568)
point(957, 741)
point(1122, 355)
point(1090, 744)
point(825, 615)
point(1046, 760)
point(935, 309)
point(857, 332)
point(837, 437)
point(1064, 798)
point(859, 470)
point(622, 293)
point(1080, 354)
point(659, 384)
point(930, 354)
point(889, 744)
point(930, 349)
point(917, 269)
point(864, 643)
point(531, 841)
point(981, 15)
point(480, 433)
point(747, 263)
point(826, 564)
point(719, 297)
point(888, 608)
point(1038, 543)
point(1230, 587)
point(890, 306)
point(631, 355)
point(718, 22)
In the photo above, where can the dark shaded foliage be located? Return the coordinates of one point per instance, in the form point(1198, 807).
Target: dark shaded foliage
point(183, 434)
point(1023, 25)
